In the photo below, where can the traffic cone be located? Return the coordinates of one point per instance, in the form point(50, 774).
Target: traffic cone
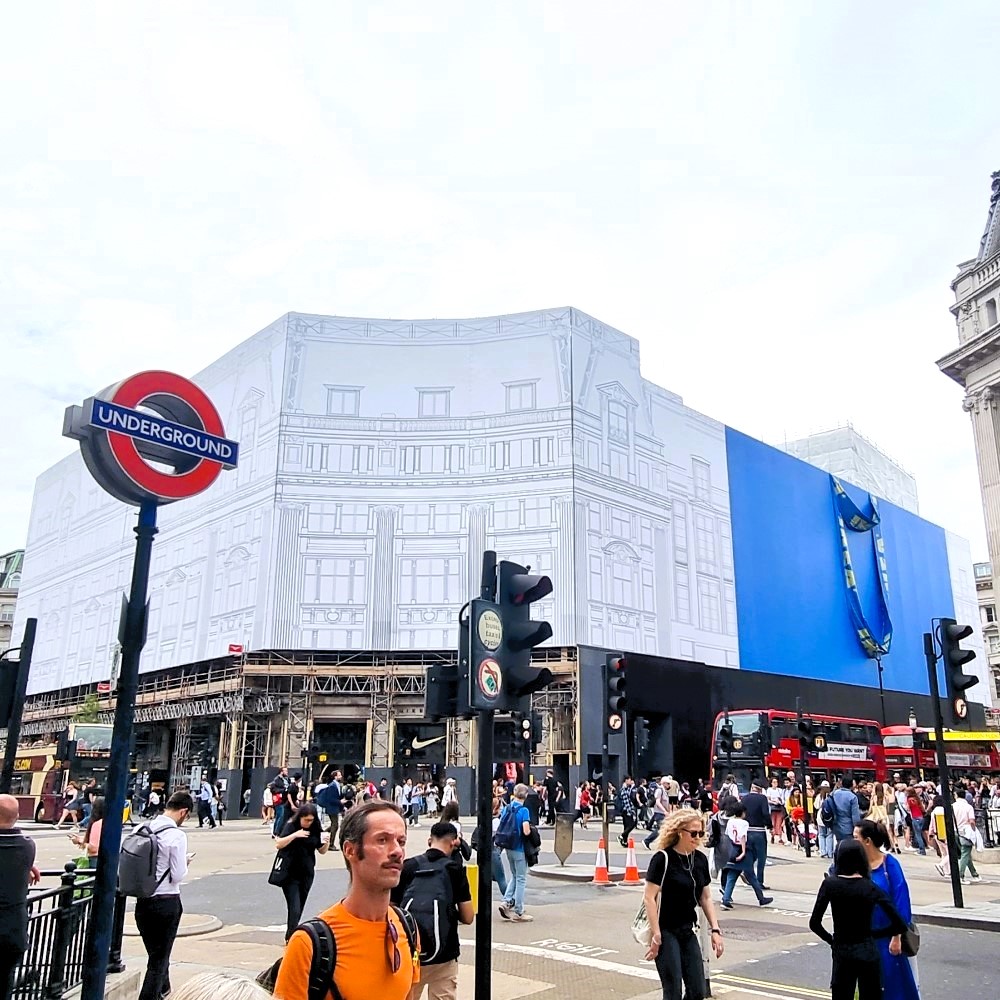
point(631, 866)
point(601, 865)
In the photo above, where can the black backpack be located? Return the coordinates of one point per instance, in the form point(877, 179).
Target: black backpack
point(324, 957)
point(430, 901)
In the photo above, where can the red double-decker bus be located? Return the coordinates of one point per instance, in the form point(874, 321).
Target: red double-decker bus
point(766, 744)
point(914, 752)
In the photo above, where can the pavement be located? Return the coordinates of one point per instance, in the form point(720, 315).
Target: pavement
point(580, 944)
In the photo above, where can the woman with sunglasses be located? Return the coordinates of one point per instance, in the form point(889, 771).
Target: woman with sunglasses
point(677, 883)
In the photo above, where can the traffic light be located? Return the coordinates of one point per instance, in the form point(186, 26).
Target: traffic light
point(517, 590)
point(536, 731)
point(955, 658)
point(8, 689)
point(614, 691)
point(441, 699)
point(726, 736)
point(525, 731)
point(805, 728)
point(641, 736)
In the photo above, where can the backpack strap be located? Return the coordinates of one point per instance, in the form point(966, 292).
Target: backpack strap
point(324, 959)
point(410, 928)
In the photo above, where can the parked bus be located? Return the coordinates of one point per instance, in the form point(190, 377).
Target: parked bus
point(910, 751)
point(41, 773)
point(766, 745)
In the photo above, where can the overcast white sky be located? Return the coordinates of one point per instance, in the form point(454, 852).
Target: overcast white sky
point(772, 197)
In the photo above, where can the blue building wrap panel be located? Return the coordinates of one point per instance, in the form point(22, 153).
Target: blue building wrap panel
point(791, 602)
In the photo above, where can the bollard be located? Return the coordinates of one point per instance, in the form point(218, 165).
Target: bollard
point(563, 846)
point(60, 945)
point(115, 963)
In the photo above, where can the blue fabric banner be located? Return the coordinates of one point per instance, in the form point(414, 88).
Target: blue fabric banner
point(874, 642)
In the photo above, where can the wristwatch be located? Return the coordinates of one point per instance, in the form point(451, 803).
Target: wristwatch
point(716, 930)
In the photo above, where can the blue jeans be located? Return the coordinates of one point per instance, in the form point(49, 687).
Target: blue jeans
point(514, 894)
point(757, 848)
point(825, 842)
point(658, 818)
point(918, 835)
point(733, 872)
point(279, 819)
point(499, 874)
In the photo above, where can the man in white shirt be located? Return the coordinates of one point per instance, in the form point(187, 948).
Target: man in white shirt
point(661, 805)
point(158, 916)
point(965, 827)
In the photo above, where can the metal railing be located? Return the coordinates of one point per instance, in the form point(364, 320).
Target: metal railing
point(58, 924)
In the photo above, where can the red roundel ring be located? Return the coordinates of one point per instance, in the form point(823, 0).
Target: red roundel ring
point(132, 393)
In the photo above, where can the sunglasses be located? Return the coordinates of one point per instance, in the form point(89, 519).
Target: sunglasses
point(695, 833)
point(393, 958)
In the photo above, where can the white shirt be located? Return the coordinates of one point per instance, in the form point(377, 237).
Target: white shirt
point(775, 797)
point(737, 829)
point(449, 795)
point(172, 854)
point(965, 818)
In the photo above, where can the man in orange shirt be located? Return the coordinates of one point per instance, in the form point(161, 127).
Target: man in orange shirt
point(374, 959)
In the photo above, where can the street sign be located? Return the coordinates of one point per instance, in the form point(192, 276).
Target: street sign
point(104, 687)
point(150, 419)
point(235, 648)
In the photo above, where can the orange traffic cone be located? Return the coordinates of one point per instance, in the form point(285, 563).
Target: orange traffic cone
point(631, 866)
point(601, 865)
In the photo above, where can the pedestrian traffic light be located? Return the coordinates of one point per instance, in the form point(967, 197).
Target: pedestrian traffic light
point(517, 590)
point(614, 691)
point(955, 658)
point(526, 730)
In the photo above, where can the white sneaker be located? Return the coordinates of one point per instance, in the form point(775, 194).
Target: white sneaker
point(974, 880)
point(521, 918)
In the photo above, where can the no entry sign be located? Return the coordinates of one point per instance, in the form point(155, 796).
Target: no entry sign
point(153, 417)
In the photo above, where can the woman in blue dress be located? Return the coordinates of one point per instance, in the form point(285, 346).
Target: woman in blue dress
point(898, 972)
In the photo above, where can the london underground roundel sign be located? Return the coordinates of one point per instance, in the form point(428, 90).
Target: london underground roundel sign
point(154, 437)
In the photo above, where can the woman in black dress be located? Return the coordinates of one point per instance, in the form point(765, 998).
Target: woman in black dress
point(853, 897)
point(677, 883)
point(301, 837)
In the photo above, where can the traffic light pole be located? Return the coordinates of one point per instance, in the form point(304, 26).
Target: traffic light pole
point(802, 781)
point(484, 856)
point(949, 814)
point(17, 706)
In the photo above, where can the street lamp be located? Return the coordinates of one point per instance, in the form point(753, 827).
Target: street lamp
point(912, 719)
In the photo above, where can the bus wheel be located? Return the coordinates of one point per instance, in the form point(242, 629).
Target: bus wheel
point(39, 814)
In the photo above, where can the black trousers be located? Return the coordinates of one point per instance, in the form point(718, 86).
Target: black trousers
point(205, 812)
point(679, 961)
point(157, 919)
point(856, 966)
point(296, 892)
point(8, 963)
point(629, 823)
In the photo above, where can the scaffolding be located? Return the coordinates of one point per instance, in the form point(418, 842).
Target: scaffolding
point(266, 702)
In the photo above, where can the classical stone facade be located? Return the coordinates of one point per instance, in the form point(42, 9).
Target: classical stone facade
point(10, 581)
point(975, 365)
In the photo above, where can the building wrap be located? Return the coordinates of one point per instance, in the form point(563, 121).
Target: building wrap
point(380, 458)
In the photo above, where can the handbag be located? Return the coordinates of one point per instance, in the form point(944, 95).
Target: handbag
point(910, 938)
point(279, 869)
point(642, 929)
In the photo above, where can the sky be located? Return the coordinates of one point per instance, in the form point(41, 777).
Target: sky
point(771, 197)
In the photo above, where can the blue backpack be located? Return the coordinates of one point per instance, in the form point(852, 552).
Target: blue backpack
point(508, 837)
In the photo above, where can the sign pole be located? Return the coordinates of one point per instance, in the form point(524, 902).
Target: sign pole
point(484, 855)
point(17, 708)
point(945, 776)
point(605, 827)
point(133, 638)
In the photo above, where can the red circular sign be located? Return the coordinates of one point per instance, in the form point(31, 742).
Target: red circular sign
point(133, 392)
